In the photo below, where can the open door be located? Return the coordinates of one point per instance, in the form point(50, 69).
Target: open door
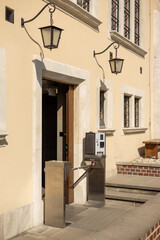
point(58, 128)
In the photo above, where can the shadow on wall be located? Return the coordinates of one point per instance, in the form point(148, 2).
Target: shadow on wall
point(141, 151)
point(3, 143)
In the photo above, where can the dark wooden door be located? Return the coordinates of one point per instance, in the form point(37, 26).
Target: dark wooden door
point(70, 140)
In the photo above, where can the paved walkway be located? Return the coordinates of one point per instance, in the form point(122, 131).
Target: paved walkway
point(81, 222)
point(112, 222)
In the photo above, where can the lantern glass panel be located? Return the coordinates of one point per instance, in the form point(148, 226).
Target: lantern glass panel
point(118, 63)
point(46, 35)
point(112, 65)
point(56, 36)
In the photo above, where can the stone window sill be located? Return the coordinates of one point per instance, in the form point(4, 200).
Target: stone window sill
point(78, 12)
point(134, 130)
point(127, 43)
point(108, 132)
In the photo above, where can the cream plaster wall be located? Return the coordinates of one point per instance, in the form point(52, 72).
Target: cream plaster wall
point(72, 62)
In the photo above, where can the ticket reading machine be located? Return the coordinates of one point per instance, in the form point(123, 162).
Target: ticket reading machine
point(94, 154)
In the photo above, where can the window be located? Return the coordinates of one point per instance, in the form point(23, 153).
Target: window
point(126, 24)
point(115, 15)
point(136, 23)
point(9, 15)
point(127, 18)
point(133, 114)
point(136, 111)
point(102, 109)
point(84, 4)
point(126, 111)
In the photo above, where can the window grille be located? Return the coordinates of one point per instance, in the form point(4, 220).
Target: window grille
point(115, 15)
point(136, 112)
point(101, 113)
point(127, 18)
point(126, 111)
point(85, 4)
point(137, 21)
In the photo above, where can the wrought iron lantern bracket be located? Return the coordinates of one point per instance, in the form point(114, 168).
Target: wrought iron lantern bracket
point(115, 63)
point(32, 19)
point(115, 44)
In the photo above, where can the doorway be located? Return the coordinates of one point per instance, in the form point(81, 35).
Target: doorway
point(57, 128)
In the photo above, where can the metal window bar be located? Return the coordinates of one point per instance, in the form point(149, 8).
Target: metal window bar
point(137, 22)
point(115, 15)
point(126, 111)
point(136, 112)
point(85, 4)
point(101, 113)
point(127, 19)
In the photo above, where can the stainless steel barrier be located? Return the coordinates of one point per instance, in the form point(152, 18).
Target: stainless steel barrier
point(56, 173)
point(96, 180)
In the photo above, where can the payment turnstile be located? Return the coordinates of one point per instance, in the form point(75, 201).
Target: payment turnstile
point(56, 173)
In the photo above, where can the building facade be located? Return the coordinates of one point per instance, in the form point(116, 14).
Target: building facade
point(50, 99)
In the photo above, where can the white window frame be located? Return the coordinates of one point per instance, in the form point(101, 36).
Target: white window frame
point(93, 7)
point(119, 36)
point(106, 86)
point(133, 93)
point(73, 9)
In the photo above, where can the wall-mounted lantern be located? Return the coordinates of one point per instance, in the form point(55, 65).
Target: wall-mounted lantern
point(50, 34)
point(116, 64)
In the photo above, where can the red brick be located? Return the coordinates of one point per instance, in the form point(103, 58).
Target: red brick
point(134, 173)
point(129, 166)
point(148, 233)
point(137, 170)
point(149, 171)
point(154, 171)
point(157, 175)
point(146, 174)
point(151, 174)
point(129, 173)
point(143, 170)
point(133, 170)
point(140, 174)
point(145, 167)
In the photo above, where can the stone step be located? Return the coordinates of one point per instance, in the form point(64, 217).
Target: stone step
point(134, 182)
point(130, 190)
point(129, 197)
point(122, 188)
